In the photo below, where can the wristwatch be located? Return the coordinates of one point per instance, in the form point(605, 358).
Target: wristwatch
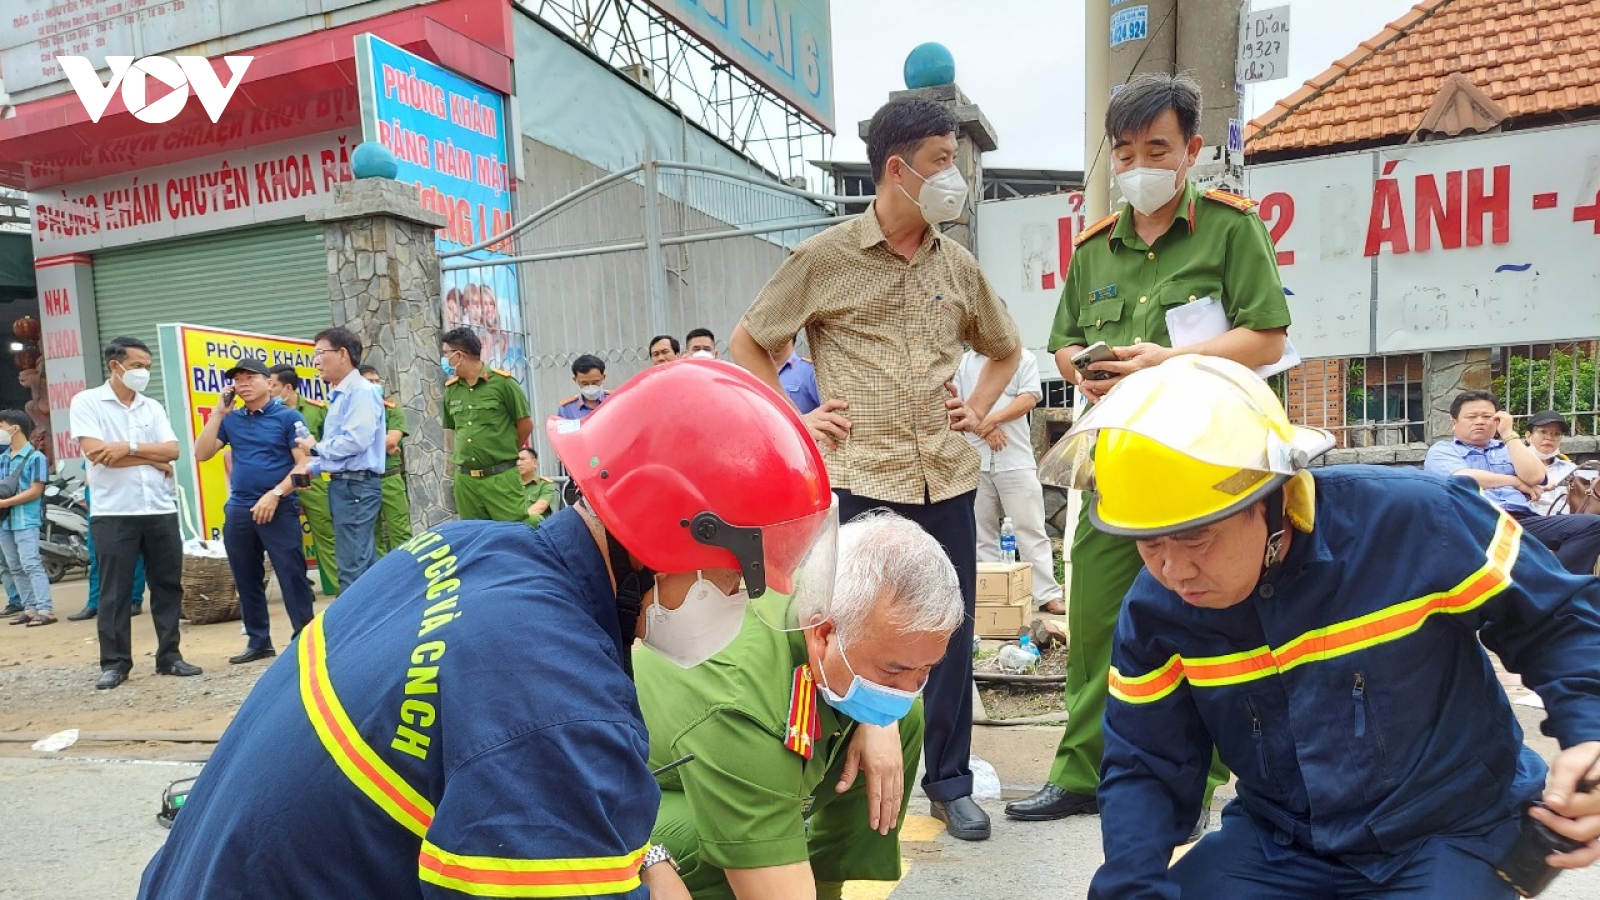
point(658, 853)
point(277, 492)
point(133, 448)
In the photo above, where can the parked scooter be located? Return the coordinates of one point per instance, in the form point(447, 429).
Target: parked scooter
point(64, 535)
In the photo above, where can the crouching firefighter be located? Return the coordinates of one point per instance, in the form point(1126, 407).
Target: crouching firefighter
point(463, 723)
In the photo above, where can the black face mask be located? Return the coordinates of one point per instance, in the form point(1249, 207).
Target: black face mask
point(632, 585)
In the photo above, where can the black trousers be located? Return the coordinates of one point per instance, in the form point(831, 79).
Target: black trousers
point(119, 542)
point(1574, 539)
point(947, 700)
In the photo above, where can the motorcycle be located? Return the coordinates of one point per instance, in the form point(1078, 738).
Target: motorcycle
point(64, 534)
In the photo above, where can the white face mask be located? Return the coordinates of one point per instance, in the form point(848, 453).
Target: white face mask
point(1148, 189)
point(943, 196)
point(135, 380)
point(706, 622)
point(591, 391)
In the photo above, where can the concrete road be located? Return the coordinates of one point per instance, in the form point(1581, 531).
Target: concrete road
point(81, 828)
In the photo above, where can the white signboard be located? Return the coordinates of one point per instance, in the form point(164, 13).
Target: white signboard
point(1263, 45)
point(1475, 241)
point(250, 186)
point(1024, 246)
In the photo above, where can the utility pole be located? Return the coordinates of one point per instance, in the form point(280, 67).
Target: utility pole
point(1196, 37)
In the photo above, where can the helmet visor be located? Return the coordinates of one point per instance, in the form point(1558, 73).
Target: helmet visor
point(797, 558)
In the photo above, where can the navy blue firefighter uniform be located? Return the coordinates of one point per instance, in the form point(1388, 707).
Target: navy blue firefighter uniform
point(459, 724)
point(1350, 695)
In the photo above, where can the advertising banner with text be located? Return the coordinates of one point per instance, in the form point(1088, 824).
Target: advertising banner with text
point(448, 136)
point(1433, 246)
point(1024, 247)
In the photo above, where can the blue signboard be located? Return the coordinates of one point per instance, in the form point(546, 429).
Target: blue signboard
point(1131, 24)
point(786, 45)
point(449, 137)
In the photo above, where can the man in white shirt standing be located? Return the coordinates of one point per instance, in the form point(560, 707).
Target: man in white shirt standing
point(129, 447)
point(1008, 476)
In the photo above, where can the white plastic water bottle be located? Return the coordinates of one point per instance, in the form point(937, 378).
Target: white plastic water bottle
point(1008, 541)
point(301, 432)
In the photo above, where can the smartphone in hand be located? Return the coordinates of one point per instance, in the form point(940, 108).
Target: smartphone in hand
point(1095, 352)
point(228, 396)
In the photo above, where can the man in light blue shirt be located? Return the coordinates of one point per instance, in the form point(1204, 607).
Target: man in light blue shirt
point(1487, 449)
point(351, 452)
point(798, 377)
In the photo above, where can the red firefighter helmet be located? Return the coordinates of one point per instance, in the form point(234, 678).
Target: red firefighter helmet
point(698, 464)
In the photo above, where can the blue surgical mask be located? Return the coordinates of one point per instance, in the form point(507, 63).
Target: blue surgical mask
point(449, 370)
point(867, 702)
point(379, 389)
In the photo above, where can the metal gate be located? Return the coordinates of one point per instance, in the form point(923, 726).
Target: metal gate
point(658, 248)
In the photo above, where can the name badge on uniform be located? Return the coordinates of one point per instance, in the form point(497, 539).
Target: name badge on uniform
point(1104, 293)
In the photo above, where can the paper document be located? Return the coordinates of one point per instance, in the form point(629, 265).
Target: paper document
point(1204, 319)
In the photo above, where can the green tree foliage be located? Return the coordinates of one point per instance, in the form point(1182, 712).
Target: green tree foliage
point(1566, 382)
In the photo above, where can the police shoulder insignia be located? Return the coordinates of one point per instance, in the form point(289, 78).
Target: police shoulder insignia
point(389, 403)
point(567, 400)
point(315, 402)
point(452, 380)
point(1096, 228)
point(1242, 204)
point(804, 726)
point(502, 373)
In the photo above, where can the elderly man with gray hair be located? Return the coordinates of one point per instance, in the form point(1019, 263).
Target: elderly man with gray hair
point(805, 740)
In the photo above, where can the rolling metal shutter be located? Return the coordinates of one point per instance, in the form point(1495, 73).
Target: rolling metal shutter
point(271, 280)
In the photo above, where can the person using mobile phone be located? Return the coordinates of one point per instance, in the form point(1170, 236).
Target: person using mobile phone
point(261, 515)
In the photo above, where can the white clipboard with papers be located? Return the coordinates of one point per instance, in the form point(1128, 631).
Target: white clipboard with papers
point(1204, 319)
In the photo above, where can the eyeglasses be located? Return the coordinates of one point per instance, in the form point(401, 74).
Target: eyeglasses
point(317, 354)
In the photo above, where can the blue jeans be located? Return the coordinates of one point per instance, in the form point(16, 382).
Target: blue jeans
point(21, 549)
point(12, 597)
point(353, 504)
point(281, 540)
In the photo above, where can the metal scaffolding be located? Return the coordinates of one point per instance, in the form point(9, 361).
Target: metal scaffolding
point(634, 38)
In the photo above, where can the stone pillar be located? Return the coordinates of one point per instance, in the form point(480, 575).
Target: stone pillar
point(1446, 373)
point(383, 284)
point(974, 137)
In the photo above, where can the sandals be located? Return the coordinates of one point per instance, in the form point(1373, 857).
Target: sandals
point(45, 619)
point(23, 618)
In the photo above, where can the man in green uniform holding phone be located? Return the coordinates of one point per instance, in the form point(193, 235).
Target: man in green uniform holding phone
point(1172, 245)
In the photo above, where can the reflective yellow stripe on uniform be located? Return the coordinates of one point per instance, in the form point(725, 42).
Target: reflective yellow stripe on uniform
point(489, 876)
point(478, 876)
point(365, 769)
point(1388, 624)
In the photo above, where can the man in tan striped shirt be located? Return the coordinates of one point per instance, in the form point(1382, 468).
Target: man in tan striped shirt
point(888, 305)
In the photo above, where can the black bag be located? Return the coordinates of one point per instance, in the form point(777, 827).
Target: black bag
point(11, 485)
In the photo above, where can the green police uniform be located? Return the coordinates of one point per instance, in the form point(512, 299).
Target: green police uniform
point(393, 526)
point(1119, 290)
point(484, 416)
point(768, 751)
point(540, 488)
point(314, 501)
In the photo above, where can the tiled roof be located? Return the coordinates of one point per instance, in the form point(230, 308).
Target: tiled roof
point(1534, 57)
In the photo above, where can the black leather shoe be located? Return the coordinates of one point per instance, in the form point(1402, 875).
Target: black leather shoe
point(138, 610)
point(1050, 803)
point(88, 612)
point(252, 654)
point(1200, 827)
point(963, 818)
point(11, 610)
point(177, 667)
point(109, 679)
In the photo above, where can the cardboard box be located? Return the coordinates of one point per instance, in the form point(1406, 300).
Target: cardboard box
point(1001, 622)
point(1004, 584)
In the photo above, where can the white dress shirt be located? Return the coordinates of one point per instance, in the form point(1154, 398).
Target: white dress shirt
point(131, 490)
point(1018, 451)
point(1556, 471)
